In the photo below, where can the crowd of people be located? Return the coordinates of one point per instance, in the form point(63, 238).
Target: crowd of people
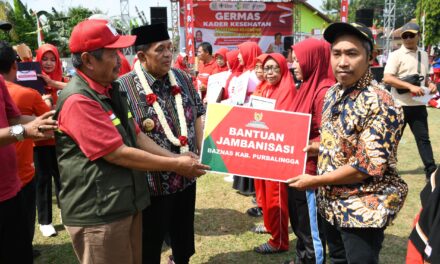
point(121, 145)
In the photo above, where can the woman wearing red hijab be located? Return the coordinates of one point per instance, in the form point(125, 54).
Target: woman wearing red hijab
point(182, 62)
point(220, 59)
point(235, 68)
point(45, 161)
point(52, 72)
point(311, 62)
point(280, 86)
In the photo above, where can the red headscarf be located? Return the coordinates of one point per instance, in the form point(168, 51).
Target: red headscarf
point(222, 52)
point(57, 73)
point(284, 91)
point(314, 60)
point(179, 64)
point(261, 88)
point(235, 67)
point(249, 51)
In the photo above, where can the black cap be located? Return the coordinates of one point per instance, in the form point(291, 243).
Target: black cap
point(410, 27)
point(341, 28)
point(5, 25)
point(150, 33)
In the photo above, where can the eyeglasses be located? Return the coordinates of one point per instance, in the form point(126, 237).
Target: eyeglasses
point(272, 69)
point(258, 67)
point(408, 36)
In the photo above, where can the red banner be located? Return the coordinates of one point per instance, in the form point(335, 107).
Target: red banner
point(344, 10)
point(189, 30)
point(227, 24)
point(255, 143)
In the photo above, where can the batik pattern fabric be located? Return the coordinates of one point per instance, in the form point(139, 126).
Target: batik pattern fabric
point(164, 183)
point(361, 126)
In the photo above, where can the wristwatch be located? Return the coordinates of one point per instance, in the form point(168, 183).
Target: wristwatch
point(17, 131)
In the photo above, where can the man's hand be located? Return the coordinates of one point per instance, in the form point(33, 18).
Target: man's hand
point(416, 90)
point(303, 182)
point(190, 154)
point(432, 88)
point(41, 127)
point(190, 167)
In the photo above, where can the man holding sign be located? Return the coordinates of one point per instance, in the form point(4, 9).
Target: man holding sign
point(360, 192)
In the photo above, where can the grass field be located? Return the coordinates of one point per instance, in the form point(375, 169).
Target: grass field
point(223, 228)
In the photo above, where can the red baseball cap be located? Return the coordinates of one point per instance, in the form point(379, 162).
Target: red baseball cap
point(90, 35)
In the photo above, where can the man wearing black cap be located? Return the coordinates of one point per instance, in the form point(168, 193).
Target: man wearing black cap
point(406, 61)
point(360, 192)
point(101, 152)
point(166, 106)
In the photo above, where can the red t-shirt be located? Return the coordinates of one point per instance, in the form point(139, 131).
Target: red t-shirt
point(125, 65)
point(29, 102)
point(9, 181)
point(87, 123)
point(205, 69)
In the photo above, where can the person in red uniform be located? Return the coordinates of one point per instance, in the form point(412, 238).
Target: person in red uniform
point(46, 166)
point(182, 62)
point(220, 59)
point(274, 199)
point(311, 62)
point(92, 118)
point(207, 66)
point(51, 67)
point(29, 102)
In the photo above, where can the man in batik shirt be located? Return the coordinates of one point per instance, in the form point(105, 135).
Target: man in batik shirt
point(360, 192)
point(167, 108)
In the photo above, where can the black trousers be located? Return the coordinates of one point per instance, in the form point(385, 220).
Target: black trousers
point(172, 214)
point(29, 207)
point(300, 223)
point(417, 119)
point(46, 167)
point(15, 246)
point(353, 245)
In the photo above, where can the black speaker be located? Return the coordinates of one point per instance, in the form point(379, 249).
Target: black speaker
point(365, 16)
point(288, 42)
point(158, 15)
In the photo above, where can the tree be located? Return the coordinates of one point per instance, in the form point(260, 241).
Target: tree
point(405, 10)
point(25, 28)
point(432, 20)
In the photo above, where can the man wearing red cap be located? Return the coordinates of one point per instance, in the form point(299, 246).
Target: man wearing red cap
point(167, 108)
point(103, 188)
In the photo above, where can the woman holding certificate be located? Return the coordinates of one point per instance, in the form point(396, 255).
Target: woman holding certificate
point(311, 62)
point(281, 88)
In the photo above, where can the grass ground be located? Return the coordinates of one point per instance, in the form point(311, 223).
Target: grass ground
point(222, 227)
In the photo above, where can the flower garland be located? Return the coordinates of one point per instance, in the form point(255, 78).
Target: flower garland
point(182, 140)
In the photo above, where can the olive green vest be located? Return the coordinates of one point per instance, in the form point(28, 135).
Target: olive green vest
point(98, 192)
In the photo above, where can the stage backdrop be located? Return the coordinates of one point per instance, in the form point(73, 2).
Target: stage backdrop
point(227, 24)
point(256, 143)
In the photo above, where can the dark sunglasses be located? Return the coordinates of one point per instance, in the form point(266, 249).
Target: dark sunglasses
point(408, 36)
